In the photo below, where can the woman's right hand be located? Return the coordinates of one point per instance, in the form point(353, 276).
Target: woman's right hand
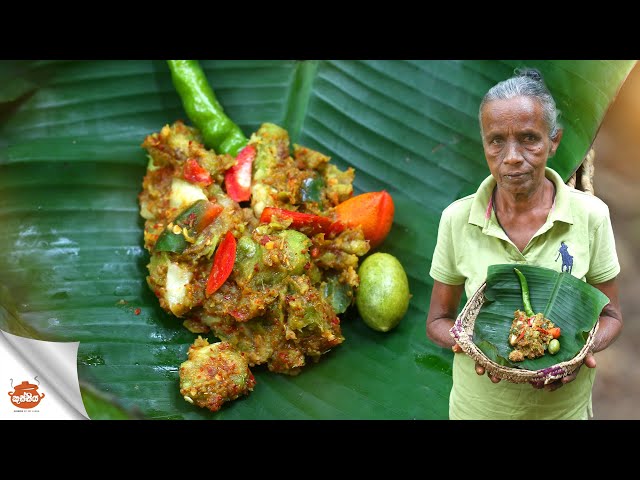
point(480, 370)
point(443, 308)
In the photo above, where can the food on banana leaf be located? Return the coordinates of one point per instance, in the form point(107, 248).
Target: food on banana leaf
point(530, 333)
point(569, 302)
point(529, 336)
point(270, 286)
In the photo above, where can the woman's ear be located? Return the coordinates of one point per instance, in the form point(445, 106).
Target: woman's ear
point(555, 142)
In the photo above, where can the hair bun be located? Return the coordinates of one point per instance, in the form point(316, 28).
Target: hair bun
point(532, 73)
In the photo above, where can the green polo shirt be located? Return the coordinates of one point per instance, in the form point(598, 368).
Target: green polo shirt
point(576, 237)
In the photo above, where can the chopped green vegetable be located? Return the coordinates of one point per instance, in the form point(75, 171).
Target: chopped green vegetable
point(189, 223)
point(311, 190)
point(339, 295)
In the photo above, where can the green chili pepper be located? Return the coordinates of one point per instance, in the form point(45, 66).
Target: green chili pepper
point(170, 242)
point(525, 293)
point(203, 109)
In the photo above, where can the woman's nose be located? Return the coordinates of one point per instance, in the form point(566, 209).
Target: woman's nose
point(513, 153)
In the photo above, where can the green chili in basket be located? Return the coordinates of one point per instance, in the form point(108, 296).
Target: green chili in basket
point(203, 109)
point(525, 293)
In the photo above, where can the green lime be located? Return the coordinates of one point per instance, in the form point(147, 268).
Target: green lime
point(383, 295)
point(554, 346)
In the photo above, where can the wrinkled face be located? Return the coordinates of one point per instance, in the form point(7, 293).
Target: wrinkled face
point(516, 143)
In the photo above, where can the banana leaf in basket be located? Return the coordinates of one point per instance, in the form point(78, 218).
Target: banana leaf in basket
point(570, 303)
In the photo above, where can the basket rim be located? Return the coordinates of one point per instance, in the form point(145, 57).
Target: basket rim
point(462, 333)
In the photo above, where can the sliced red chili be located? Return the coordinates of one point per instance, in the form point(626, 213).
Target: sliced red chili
point(194, 173)
point(336, 227)
point(305, 222)
point(223, 262)
point(237, 179)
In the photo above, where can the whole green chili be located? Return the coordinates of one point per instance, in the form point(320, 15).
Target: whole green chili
point(203, 109)
point(525, 293)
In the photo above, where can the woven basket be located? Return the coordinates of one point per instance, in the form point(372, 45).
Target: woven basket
point(462, 332)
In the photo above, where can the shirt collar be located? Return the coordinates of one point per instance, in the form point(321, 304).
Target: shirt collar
point(481, 206)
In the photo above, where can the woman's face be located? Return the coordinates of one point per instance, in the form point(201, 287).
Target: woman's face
point(516, 143)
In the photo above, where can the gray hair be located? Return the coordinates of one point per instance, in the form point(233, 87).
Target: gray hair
point(525, 83)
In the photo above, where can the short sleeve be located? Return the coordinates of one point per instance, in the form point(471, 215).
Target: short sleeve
point(443, 265)
point(603, 264)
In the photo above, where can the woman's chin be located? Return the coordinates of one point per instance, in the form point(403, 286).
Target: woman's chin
point(515, 188)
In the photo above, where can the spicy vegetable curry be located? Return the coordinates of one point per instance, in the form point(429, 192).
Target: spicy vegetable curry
point(261, 263)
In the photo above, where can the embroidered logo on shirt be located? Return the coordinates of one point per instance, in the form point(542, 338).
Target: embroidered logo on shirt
point(567, 258)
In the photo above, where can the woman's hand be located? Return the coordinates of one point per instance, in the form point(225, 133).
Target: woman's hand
point(608, 330)
point(589, 361)
point(443, 308)
point(480, 370)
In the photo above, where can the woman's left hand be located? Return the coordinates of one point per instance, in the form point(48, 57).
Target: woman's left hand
point(589, 361)
point(609, 329)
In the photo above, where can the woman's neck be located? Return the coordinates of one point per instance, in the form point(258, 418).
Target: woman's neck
point(521, 216)
point(508, 203)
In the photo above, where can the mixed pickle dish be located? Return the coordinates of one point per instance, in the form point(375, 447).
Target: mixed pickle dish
point(254, 241)
point(264, 257)
point(531, 334)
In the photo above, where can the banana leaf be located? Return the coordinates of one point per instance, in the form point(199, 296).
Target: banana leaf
point(73, 267)
point(571, 304)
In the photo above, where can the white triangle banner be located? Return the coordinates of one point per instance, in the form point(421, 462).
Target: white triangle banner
point(40, 380)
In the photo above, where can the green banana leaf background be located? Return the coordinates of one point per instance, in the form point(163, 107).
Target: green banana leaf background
point(570, 303)
point(73, 267)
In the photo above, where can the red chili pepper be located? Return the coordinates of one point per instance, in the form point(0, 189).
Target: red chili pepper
point(238, 178)
point(194, 173)
point(223, 262)
point(305, 222)
point(524, 330)
point(336, 227)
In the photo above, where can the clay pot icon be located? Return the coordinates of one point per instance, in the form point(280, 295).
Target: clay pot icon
point(26, 395)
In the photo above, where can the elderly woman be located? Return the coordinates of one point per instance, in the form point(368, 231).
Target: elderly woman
point(523, 213)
